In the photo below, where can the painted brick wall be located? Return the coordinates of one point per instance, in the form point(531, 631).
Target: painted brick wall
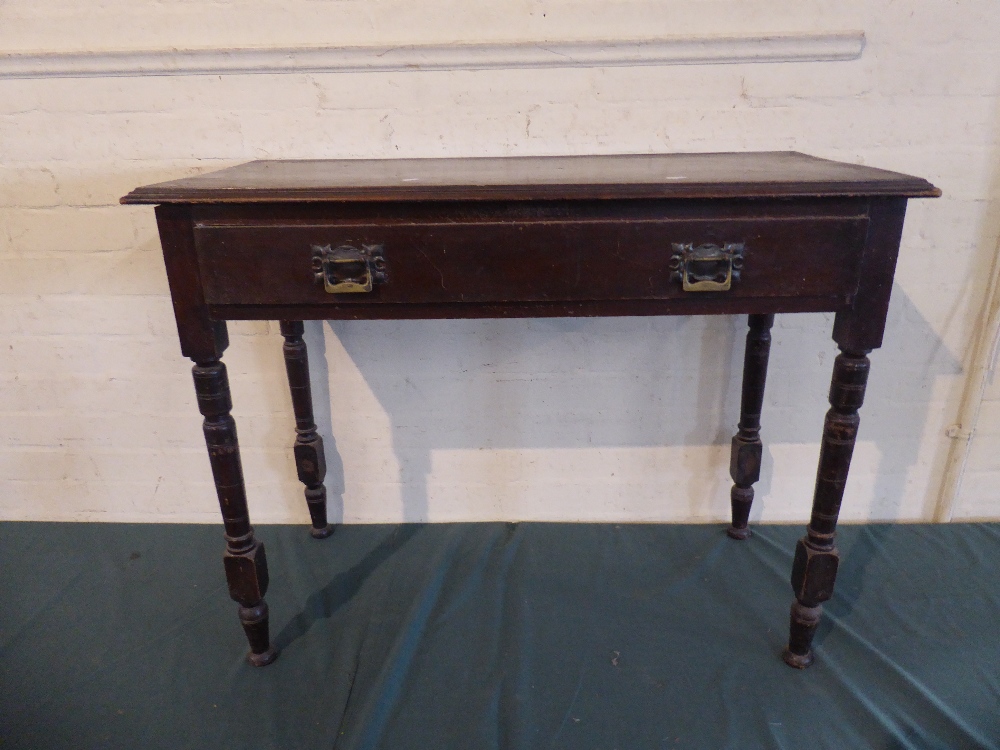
point(623, 419)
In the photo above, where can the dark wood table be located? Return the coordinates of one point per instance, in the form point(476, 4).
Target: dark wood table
point(671, 234)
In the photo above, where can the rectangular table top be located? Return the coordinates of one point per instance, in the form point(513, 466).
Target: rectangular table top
point(775, 174)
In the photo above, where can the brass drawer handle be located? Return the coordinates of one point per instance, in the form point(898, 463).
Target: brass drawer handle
point(346, 269)
point(706, 268)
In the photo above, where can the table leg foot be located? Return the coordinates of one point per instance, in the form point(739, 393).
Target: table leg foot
point(799, 661)
point(316, 502)
point(322, 533)
point(255, 624)
point(262, 660)
point(802, 628)
point(741, 499)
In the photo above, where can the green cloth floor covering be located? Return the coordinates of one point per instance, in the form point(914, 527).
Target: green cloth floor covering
point(497, 636)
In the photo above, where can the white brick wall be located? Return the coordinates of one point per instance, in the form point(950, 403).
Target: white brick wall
point(623, 419)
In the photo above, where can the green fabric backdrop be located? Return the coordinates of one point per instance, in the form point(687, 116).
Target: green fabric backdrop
point(496, 636)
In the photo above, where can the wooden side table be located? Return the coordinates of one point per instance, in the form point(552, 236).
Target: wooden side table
point(677, 234)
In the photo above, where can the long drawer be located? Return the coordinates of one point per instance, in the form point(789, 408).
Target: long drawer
point(564, 260)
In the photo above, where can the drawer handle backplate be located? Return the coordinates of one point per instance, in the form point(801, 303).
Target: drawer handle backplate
point(706, 268)
point(347, 269)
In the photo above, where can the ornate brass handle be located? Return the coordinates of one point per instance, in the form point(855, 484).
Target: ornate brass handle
point(706, 268)
point(346, 269)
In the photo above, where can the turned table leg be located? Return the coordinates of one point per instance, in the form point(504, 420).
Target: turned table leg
point(246, 565)
point(744, 462)
point(310, 460)
point(816, 557)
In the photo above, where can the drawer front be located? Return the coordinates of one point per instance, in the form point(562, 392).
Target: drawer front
point(535, 261)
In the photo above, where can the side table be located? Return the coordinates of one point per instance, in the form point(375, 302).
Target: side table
point(671, 234)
